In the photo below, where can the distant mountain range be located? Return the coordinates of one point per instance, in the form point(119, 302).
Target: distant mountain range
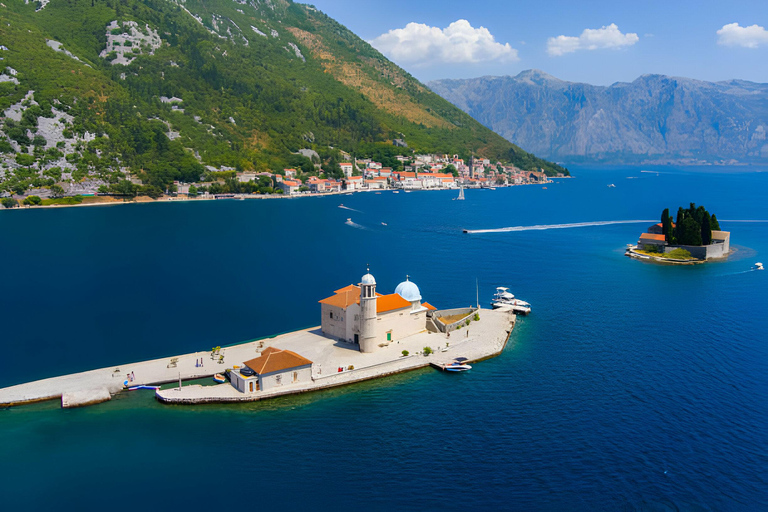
point(656, 118)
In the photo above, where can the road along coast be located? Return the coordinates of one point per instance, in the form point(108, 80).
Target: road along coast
point(482, 339)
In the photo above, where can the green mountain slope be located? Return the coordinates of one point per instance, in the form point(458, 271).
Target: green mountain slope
point(161, 89)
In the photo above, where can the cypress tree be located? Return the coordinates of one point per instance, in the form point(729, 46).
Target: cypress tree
point(679, 225)
point(714, 224)
point(706, 230)
point(665, 224)
point(691, 232)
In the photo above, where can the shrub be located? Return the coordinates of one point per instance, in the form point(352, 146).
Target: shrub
point(116, 31)
point(476, 317)
point(405, 353)
point(679, 254)
point(9, 202)
point(427, 351)
point(33, 201)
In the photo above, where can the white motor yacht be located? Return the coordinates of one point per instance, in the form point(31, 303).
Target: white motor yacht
point(506, 301)
point(758, 266)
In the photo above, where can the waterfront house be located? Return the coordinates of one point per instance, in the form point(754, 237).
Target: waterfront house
point(377, 183)
point(652, 242)
point(273, 368)
point(354, 183)
point(289, 186)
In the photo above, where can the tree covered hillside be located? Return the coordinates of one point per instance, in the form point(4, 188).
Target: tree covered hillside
point(158, 89)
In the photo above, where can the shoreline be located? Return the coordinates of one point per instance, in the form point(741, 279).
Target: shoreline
point(245, 197)
point(489, 336)
point(631, 253)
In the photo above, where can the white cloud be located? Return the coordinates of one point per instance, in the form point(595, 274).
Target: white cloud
point(419, 44)
point(591, 39)
point(735, 35)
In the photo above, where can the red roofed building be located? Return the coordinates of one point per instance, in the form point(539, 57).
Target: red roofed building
point(652, 241)
point(358, 314)
point(289, 186)
point(273, 368)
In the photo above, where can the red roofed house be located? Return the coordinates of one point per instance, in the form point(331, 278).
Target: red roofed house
point(358, 314)
point(377, 183)
point(354, 183)
point(658, 229)
point(289, 186)
point(653, 241)
point(273, 368)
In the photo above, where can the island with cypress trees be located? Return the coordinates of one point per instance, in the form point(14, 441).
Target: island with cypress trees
point(694, 236)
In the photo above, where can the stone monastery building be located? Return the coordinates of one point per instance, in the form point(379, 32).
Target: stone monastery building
point(357, 314)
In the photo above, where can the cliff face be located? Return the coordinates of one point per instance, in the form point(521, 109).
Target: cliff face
point(655, 117)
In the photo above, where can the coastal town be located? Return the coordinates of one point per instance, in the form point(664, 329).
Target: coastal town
point(422, 172)
point(414, 172)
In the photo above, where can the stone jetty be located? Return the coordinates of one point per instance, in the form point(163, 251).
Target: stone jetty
point(482, 339)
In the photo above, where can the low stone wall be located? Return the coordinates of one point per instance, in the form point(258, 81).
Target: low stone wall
point(467, 313)
point(702, 252)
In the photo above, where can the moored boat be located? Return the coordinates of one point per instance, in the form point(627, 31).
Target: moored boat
point(458, 365)
point(219, 378)
point(505, 301)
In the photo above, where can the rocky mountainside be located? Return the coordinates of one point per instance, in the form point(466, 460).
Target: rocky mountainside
point(160, 90)
point(655, 118)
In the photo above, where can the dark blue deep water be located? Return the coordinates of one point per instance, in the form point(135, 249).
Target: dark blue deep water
point(631, 386)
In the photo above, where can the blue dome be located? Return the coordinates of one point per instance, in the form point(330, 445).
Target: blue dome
point(408, 290)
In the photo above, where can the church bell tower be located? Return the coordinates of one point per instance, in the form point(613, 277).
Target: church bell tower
point(368, 313)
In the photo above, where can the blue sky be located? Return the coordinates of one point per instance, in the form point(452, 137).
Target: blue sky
point(623, 40)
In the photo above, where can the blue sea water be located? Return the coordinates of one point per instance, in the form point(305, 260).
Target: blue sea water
point(631, 386)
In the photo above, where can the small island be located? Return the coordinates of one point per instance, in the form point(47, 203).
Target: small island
point(694, 237)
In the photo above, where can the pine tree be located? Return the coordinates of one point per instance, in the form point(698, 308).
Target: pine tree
point(713, 222)
point(706, 230)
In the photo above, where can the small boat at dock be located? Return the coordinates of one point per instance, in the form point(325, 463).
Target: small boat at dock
point(219, 378)
point(134, 388)
point(458, 365)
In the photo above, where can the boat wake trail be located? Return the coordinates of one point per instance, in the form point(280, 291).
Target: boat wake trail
point(737, 273)
point(558, 226)
point(349, 222)
point(348, 208)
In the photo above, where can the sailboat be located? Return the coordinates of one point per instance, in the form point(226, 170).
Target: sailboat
point(461, 195)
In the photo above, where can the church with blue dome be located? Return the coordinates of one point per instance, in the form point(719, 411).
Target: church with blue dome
point(359, 315)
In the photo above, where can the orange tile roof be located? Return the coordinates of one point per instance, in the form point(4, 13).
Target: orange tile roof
point(347, 288)
point(429, 306)
point(391, 302)
point(274, 360)
point(650, 236)
point(342, 300)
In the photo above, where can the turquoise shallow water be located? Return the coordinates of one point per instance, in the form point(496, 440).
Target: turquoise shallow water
point(631, 386)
